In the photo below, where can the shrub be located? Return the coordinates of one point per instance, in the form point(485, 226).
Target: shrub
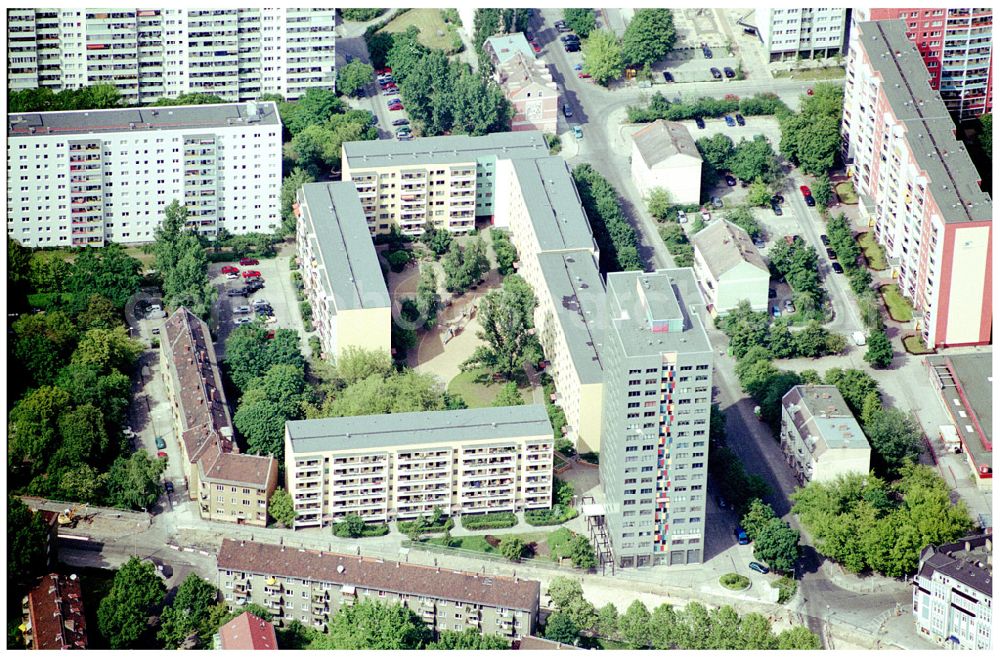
point(489, 521)
point(786, 588)
point(353, 526)
point(399, 259)
point(316, 346)
point(557, 514)
point(512, 548)
point(436, 523)
point(591, 457)
point(734, 581)
point(307, 311)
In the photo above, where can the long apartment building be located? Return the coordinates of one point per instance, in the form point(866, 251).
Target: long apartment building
point(226, 485)
point(657, 398)
point(85, 178)
point(446, 181)
point(401, 466)
point(918, 187)
point(809, 32)
point(956, 44)
point(340, 270)
point(538, 203)
point(237, 54)
point(311, 586)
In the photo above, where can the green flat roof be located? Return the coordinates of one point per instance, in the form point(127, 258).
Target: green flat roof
point(425, 151)
point(418, 428)
point(337, 226)
point(553, 204)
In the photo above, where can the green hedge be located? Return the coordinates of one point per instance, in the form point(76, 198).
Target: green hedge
point(489, 521)
point(440, 527)
point(659, 107)
point(370, 530)
point(550, 516)
point(615, 236)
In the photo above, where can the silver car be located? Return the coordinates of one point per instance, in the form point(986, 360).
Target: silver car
point(241, 309)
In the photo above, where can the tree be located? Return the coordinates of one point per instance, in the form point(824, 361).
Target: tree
point(134, 482)
point(262, 424)
point(603, 56)
point(986, 134)
point(249, 353)
point(754, 159)
point(811, 140)
point(757, 516)
point(361, 15)
point(407, 391)
point(284, 385)
point(812, 340)
point(758, 194)
point(313, 108)
point(505, 316)
point(504, 250)
point(193, 98)
point(478, 105)
point(879, 353)
point(822, 191)
point(32, 427)
point(43, 343)
point(281, 508)
point(509, 396)
point(563, 591)
point(581, 21)
point(607, 621)
point(107, 350)
point(658, 203)
point(296, 636)
point(456, 276)
point(352, 78)
point(475, 261)
point(309, 151)
point(649, 36)
point(854, 385)
point(84, 437)
point(560, 628)
point(99, 314)
point(289, 189)
point(634, 626)
point(468, 639)
point(122, 615)
point(798, 638)
point(353, 526)
point(512, 548)
point(27, 544)
point(743, 217)
point(438, 240)
point(109, 270)
point(355, 364)
point(745, 328)
point(581, 552)
point(80, 483)
point(373, 625)
point(189, 613)
point(777, 544)
point(716, 150)
point(895, 439)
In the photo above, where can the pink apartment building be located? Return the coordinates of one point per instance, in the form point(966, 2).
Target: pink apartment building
point(526, 81)
point(918, 187)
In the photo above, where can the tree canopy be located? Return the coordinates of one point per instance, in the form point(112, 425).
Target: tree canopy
point(811, 138)
point(507, 320)
point(649, 36)
point(135, 592)
point(615, 236)
point(603, 57)
point(579, 20)
point(374, 625)
point(189, 614)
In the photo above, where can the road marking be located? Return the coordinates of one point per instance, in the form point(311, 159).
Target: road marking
point(189, 549)
point(74, 537)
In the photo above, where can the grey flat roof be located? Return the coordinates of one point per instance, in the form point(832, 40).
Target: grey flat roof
point(974, 372)
point(418, 428)
point(339, 230)
point(577, 291)
point(636, 336)
point(176, 117)
point(506, 46)
point(553, 204)
point(426, 151)
point(930, 130)
point(823, 413)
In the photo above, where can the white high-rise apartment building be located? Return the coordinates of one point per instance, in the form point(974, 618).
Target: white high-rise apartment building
point(810, 32)
point(87, 177)
point(237, 54)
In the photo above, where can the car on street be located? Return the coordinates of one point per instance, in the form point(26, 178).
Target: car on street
point(806, 192)
point(578, 132)
point(740, 120)
point(789, 307)
point(162, 454)
point(229, 269)
point(571, 47)
point(169, 487)
point(728, 72)
point(566, 38)
point(810, 201)
point(250, 274)
point(242, 320)
point(716, 202)
point(776, 208)
point(759, 567)
point(241, 309)
point(249, 261)
point(567, 110)
point(729, 121)
point(236, 292)
point(682, 217)
point(830, 254)
point(535, 47)
point(717, 74)
point(730, 180)
point(160, 442)
point(741, 536)
point(825, 239)
point(775, 311)
point(699, 122)
point(778, 199)
point(721, 502)
point(706, 216)
point(668, 76)
point(839, 269)
point(400, 122)
point(233, 275)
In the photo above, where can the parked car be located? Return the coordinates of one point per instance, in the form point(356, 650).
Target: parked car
point(400, 122)
point(806, 192)
point(682, 217)
point(741, 536)
point(578, 132)
point(776, 208)
point(242, 320)
point(717, 74)
point(810, 201)
point(403, 130)
point(566, 38)
point(567, 110)
point(254, 285)
point(730, 180)
point(771, 293)
point(706, 51)
point(716, 202)
point(535, 47)
point(668, 76)
point(830, 254)
point(572, 47)
point(729, 121)
point(583, 74)
point(706, 216)
point(236, 292)
point(825, 239)
point(759, 567)
point(777, 199)
point(728, 72)
point(249, 274)
point(162, 454)
point(395, 108)
point(233, 275)
point(839, 269)
point(229, 269)
point(789, 307)
point(248, 261)
point(394, 101)
point(775, 311)
point(390, 92)
point(740, 120)
point(160, 442)
point(241, 309)
point(169, 487)
point(699, 122)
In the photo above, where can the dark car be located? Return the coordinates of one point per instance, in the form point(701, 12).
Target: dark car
point(721, 502)
point(839, 269)
point(810, 201)
point(729, 72)
point(717, 74)
point(830, 254)
point(759, 567)
point(572, 48)
point(771, 293)
point(567, 110)
point(254, 286)
point(776, 208)
point(730, 181)
point(535, 47)
point(249, 262)
point(236, 292)
point(668, 76)
point(566, 38)
point(169, 487)
point(729, 121)
point(740, 120)
point(825, 239)
point(401, 122)
point(741, 536)
point(699, 122)
point(777, 199)
point(160, 443)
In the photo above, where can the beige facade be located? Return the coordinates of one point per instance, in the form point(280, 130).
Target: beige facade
point(401, 466)
point(529, 87)
point(729, 268)
point(820, 437)
point(664, 156)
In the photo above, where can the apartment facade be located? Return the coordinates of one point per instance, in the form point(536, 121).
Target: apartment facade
point(311, 586)
point(237, 54)
point(664, 155)
point(820, 437)
point(528, 85)
point(657, 397)
point(956, 44)
point(953, 593)
point(401, 466)
point(729, 268)
point(447, 181)
point(340, 271)
point(809, 33)
point(85, 178)
point(228, 486)
point(918, 188)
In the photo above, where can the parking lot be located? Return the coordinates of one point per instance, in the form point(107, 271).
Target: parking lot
point(277, 291)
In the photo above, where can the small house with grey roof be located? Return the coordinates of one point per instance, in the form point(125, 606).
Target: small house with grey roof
point(820, 436)
point(729, 268)
point(664, 156)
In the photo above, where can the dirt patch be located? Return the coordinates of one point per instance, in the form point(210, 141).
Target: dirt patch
point(492, 541)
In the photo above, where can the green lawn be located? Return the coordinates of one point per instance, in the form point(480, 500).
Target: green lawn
point(899, 309)
point(478, 389)
point(873, 252)
point(915, 345)
point(825, 73)
point(478, 542)
point(137, 253)
point(429, 22)
point(845, 190)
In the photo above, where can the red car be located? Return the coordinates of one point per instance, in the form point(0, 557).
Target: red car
point(250, 274)
point(249, 262)
point(397, 106)
point(806, 192)
point(535, 47)
point(161, 454)
point(230, 270)
point(581, 74)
